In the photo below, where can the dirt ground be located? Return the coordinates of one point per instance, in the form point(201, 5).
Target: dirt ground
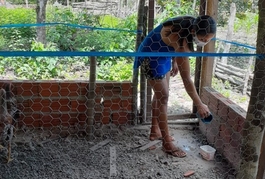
point(120, 152)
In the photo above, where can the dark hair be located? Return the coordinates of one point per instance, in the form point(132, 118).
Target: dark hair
point(204, 25)
point(184, 24)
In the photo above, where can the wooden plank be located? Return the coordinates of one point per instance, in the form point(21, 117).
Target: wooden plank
point(113, 170)
point(231, 69)
point(99, 145)
point(181, 116)
point(144, 147)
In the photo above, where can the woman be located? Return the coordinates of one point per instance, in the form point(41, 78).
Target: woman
point(175, 35)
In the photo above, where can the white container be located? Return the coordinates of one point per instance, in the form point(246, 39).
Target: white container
point(207, 152)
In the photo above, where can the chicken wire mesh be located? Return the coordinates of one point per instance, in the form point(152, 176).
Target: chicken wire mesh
point(51, 135)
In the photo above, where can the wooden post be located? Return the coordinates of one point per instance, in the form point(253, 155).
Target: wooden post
point(197, 76)
point(245, 87)
point(91, 97)
point(151, 18)
point(143, 85)
point(140, 26)
point(230, 30)
point(207, 63)
point(252, 161)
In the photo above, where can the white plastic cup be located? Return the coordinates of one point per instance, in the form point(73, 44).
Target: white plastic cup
point(207, 152)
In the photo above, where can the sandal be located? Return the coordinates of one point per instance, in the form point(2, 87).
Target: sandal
point(177, 152)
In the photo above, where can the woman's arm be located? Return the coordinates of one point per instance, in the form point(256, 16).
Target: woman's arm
point(184, 70)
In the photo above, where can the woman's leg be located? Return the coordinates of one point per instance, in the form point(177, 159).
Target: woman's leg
point(161, 94)
point(155, 130)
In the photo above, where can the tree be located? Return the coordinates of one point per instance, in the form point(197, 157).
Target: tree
point(41, 18)
point(253, 131)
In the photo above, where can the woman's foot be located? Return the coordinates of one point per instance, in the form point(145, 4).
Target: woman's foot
point(176, 152)
point(169, 148)
point(156, 134)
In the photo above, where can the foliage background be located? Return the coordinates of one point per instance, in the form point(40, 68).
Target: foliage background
point(63, 38)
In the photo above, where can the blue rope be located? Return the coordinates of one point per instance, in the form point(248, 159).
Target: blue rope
point(65, 24)
point(99, 28)
point(124, 54)
point(120, 54)
point(235, 43)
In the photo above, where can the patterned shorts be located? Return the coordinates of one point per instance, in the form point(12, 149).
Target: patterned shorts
point(150, 72)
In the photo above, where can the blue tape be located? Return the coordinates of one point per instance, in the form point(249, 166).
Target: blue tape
point(120, 54)
point(65, 24)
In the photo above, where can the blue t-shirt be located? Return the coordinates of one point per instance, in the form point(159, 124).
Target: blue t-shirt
point(153, 43)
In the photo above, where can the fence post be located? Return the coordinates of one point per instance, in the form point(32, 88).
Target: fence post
point(90, 103)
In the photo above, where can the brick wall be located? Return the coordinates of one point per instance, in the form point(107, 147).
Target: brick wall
point(225, 131)
point(53, 103)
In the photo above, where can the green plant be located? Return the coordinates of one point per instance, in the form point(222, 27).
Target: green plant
point(222, 87)
point(171, 9)
point(192, 65)
point(246, 23)
point(39, 67)
point(67, 38)
point(108, 21)
point(118, 72)
point(17, 16)
point(3, 43)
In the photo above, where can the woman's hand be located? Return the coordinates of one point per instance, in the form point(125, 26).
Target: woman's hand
point(174, 71)
point(203, 111)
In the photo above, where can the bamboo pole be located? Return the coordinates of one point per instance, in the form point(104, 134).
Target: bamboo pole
point(91, 97)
